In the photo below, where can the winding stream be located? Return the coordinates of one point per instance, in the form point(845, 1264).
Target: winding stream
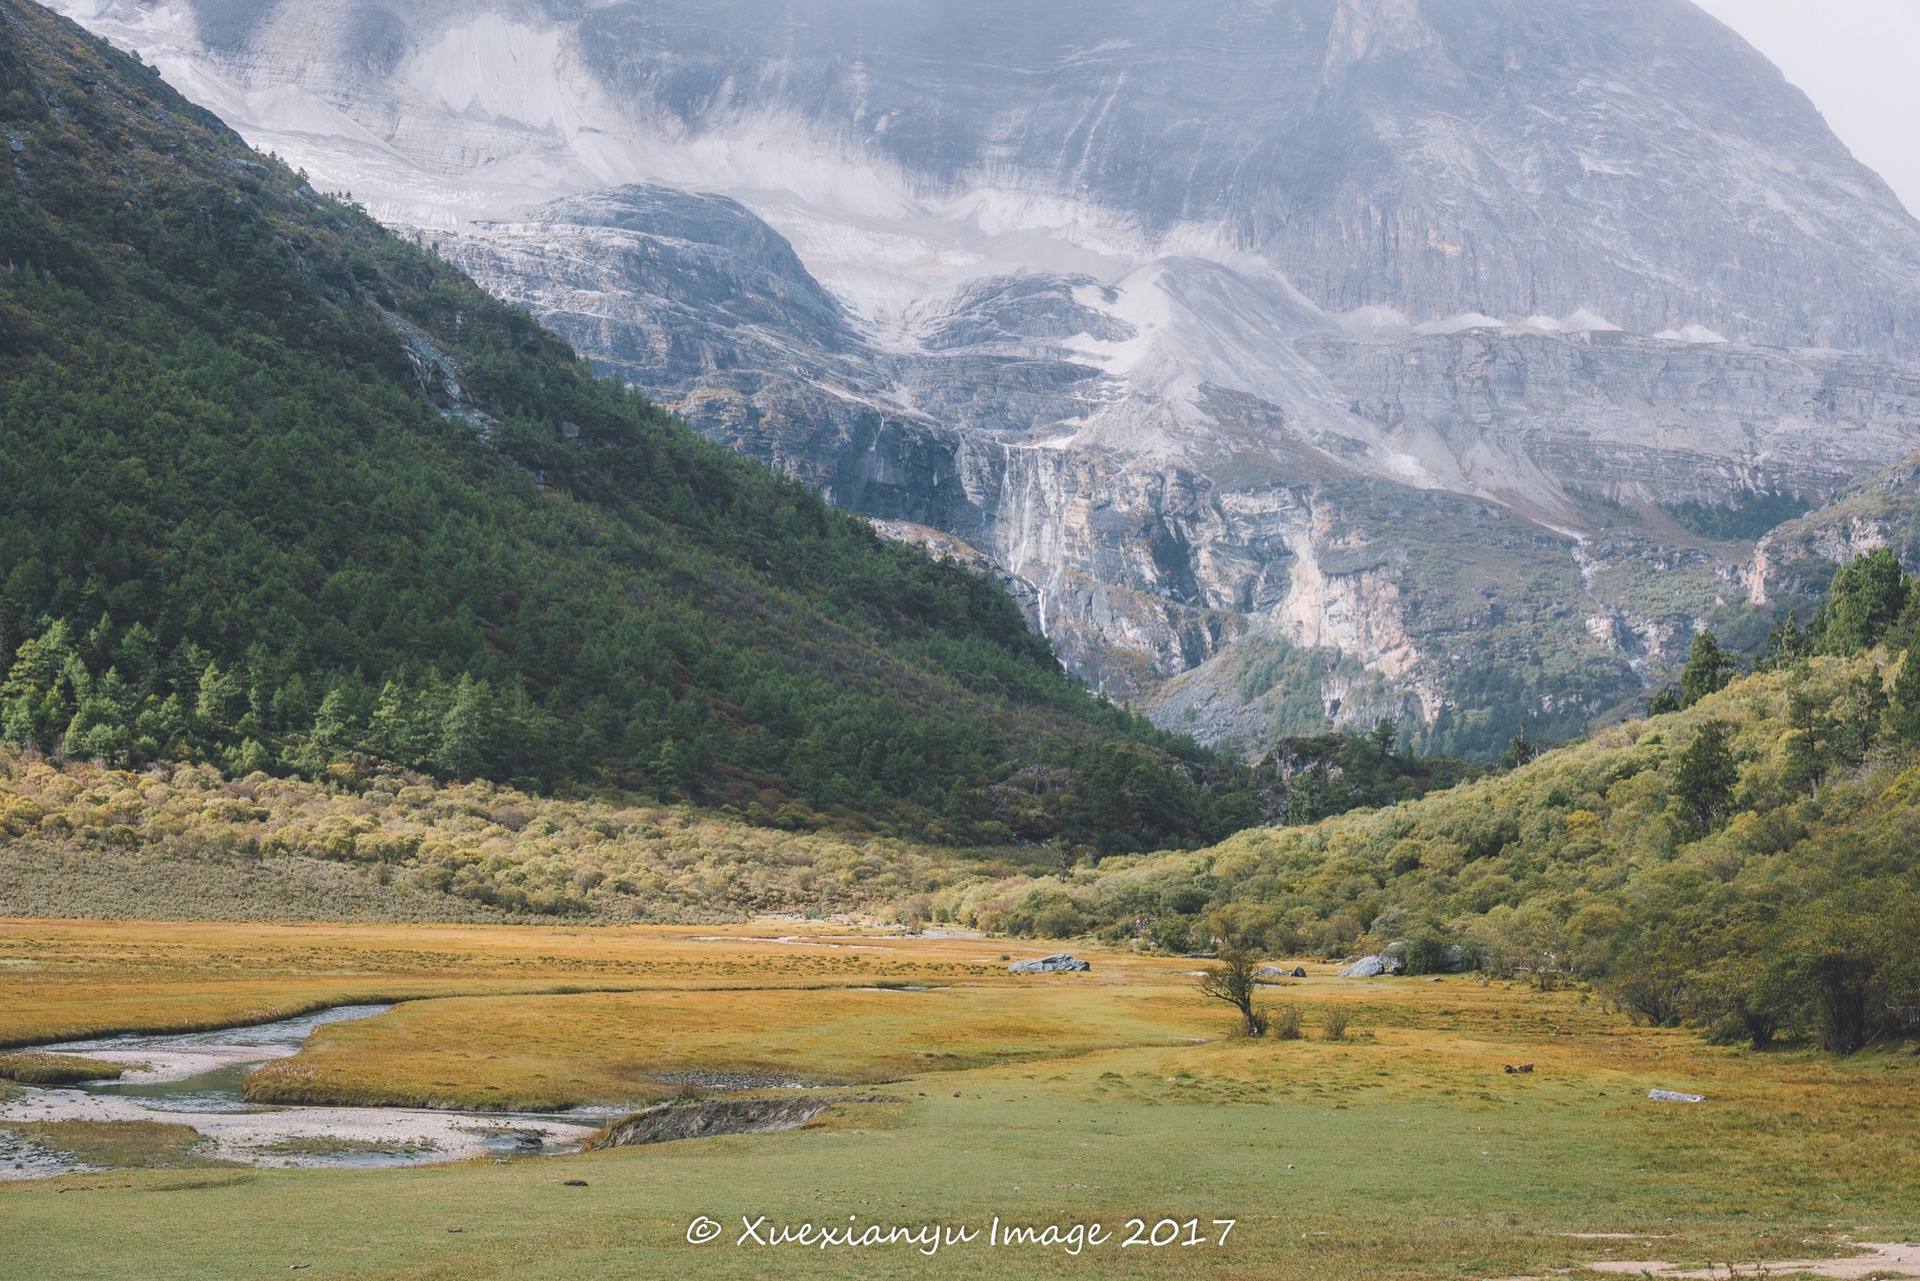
point(194, 1078)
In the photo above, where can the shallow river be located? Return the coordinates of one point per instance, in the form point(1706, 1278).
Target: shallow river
point(194, 1078)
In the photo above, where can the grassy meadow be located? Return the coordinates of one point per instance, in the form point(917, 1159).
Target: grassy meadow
point(1402, 1149)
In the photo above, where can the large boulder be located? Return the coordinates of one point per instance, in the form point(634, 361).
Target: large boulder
point(1366, 967)
point(1055, 964)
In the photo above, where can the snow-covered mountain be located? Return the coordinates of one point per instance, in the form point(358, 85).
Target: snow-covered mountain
point(1235, 333)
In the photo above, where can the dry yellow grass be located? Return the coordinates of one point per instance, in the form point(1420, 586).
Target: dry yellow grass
point(62, 979)
point(632, 1046)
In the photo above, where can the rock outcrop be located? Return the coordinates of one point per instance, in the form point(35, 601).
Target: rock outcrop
point(668, 1122)
point(1058, 963)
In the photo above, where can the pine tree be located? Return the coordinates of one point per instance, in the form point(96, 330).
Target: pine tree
point(1704, 778)
point(1808, 744)
point(220, 701)
point(1857, 717)
point(1385, 732)
point(1786, 644)
point(1708, 670)
point(462, 749)
point(1903, 720)
point(1868, 594)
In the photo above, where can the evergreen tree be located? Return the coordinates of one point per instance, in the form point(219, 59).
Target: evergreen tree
point(463, 732)
point(1520, 749)
point(1807, 746)
point(1786, 645)
point(219, 703)
point(333, 728)
point(1707, 671)
point(1386, 731)
point(1704, 778)
point(1857, 717)
point(1869, 592)
point(1903, 720)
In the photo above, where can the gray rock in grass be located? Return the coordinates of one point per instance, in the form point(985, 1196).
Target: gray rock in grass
point(1055, 964)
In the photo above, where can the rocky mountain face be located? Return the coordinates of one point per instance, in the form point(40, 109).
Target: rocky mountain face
point(1292, 362)
point(1796, 560)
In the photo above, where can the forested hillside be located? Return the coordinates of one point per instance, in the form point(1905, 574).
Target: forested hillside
point(1747, 861)
point(283, 493)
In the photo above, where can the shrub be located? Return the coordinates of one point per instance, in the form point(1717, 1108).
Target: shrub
point(1425, 954)
point(1285, 1023)
point(1333, 1023)
point(1174, 933)
point(1058, 921)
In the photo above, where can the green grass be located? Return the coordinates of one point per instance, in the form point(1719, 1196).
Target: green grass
point(1345, 1180)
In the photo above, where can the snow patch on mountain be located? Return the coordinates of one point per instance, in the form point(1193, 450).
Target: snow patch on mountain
point(1695, 334)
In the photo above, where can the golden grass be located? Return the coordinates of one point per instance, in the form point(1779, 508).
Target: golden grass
point(29, 1068)
point(1401, 1149)
point(561, 1051)
point(64, 979)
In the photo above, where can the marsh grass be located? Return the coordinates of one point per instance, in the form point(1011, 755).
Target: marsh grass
point(1334, 1022)
point(643, 1046)
point(327, 1145)
point(62, 980)
point(1404, 1151)
point(121, 1145)
point(39, 1068)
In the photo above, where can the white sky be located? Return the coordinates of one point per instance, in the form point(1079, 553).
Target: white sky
point(1859, 60)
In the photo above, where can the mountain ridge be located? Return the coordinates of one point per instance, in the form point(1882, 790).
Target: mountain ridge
point(289, 494)
point(1065, 299)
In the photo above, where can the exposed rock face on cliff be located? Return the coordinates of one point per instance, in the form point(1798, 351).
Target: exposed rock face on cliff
point(1290, 362)
point(1798, 558)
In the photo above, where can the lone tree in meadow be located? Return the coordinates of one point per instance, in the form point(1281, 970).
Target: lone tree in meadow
point(1233, 981)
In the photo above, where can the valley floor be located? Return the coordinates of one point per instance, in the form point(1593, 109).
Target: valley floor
point(1402, 1149)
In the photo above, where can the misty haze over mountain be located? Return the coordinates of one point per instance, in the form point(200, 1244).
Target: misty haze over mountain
point(1292, 363)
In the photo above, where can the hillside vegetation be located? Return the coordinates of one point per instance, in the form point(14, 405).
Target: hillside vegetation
point(1748, 862)
point(286, 494)
point(188, 843)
